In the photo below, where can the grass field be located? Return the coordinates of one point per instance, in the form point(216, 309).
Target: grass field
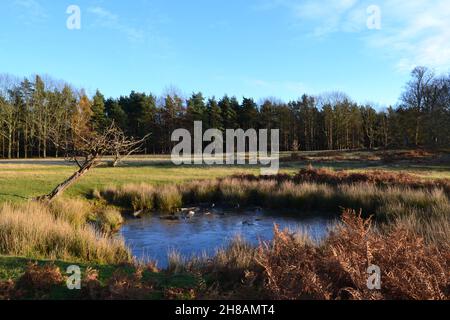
point(20, 182)
point(24, 179)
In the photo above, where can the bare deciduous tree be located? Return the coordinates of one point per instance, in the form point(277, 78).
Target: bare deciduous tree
point(87, 151)
point(415, 96)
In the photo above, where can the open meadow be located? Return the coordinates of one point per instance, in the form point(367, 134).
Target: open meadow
point(24, 179)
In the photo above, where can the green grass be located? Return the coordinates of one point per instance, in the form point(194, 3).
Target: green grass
point(12, 268)
point(22, 180)
point(19, 183)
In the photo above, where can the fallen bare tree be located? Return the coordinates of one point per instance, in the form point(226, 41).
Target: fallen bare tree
point(88, 149)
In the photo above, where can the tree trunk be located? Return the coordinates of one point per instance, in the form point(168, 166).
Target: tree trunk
point(114, 163)
point(18, 146)
point(10, 145)
point(67, 183)
point(417, 131)
point(25, 143)
point(45, 148)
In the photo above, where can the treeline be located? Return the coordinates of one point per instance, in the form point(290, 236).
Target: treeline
point(38, 116)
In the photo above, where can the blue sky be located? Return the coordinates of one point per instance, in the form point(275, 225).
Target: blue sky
point(256, 48)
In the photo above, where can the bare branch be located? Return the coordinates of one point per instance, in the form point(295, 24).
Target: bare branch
point(93, 146)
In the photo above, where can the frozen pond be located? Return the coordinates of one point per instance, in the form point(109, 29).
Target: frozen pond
point(151, 238)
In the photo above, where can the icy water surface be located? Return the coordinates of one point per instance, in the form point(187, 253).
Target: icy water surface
point(151, 238)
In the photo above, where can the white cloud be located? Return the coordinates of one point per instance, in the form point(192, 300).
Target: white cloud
point(104, 14)
point(328, 16)
point(274, 87)
point(31, 10)
point(112, 21)
point(419, 33)
point(414, 32)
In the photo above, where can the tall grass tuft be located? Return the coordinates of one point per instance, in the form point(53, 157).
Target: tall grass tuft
point(176, 262)
point(75, 211)
point(132, 196)
point(109, 220)
point(32, 230)
point(168, 199)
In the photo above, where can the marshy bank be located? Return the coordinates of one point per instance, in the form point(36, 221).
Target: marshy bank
point(421, 205)
point(75, 229)
point(310, 189)
point(288, 267)
point(294, 266)
point(408, 238)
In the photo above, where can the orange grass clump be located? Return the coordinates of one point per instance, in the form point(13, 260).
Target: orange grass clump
point(375, 177)
point(337, 269)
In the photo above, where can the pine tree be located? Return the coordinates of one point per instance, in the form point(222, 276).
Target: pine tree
point(98, 119)
point(116, 114)
point(214, 115)
point(42, 117)
point(248, 116)
point(196, 109)
point(171, 118)
point(228, 113)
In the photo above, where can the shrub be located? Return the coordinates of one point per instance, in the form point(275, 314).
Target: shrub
point(39, 280)
point(411, 269)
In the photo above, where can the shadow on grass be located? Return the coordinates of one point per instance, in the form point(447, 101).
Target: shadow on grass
point(13, 196)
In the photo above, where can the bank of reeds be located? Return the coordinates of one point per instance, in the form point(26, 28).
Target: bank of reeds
point(387, 196)
point(390, 197)
point(108, 220)
point(376, 177)
point(59, 231)
point(143, 197)
point(79, 212)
